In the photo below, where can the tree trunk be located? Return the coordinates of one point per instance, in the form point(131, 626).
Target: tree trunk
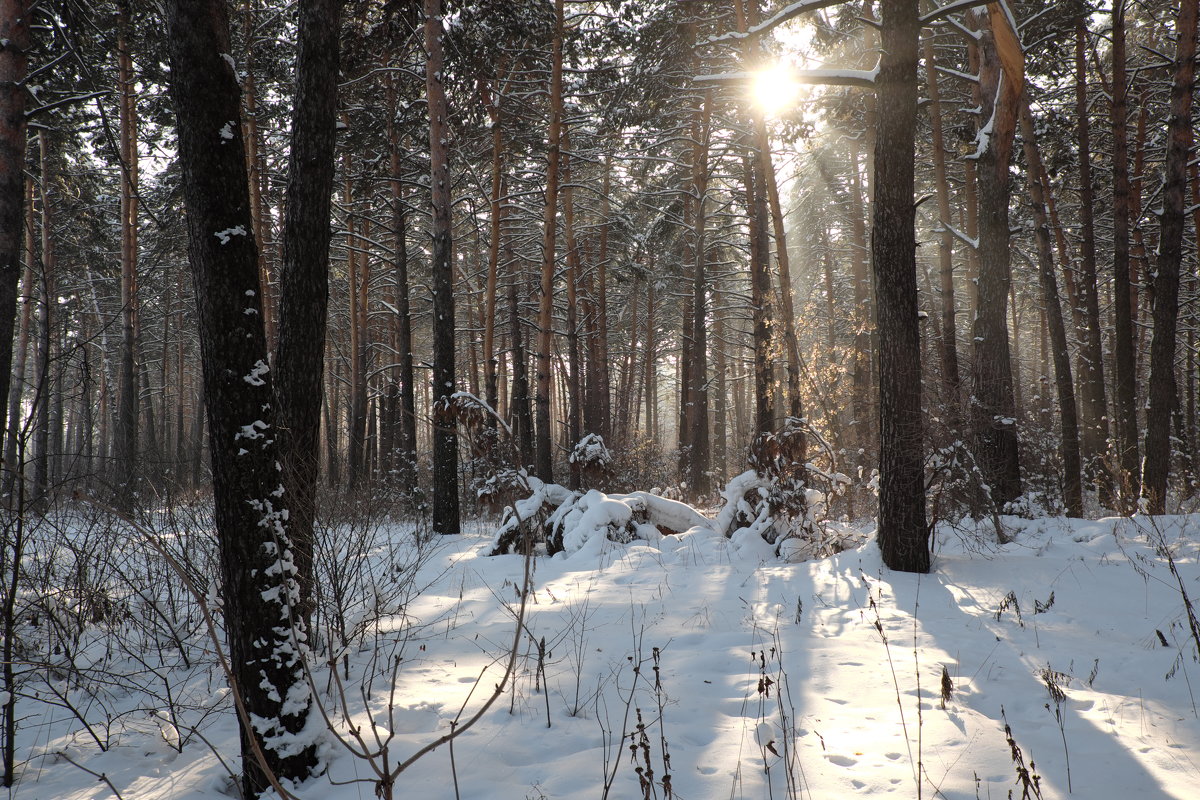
point(754, 169)
point(1163, 394)
point(862, 316)
point(492, 100)
point(1071, 488)
point(14, 64)
point(404, 457)
point(12, 467)
point(574, 382)
point(604, 393)
point(903, 537)
point(699, 458)
point(445, 434)
point(522, 415)
point(266, 639)
point(993, 410)
point(720, 437)
point(304, 272)
point(128, 412)
point(951, 387)
point(1124, 356)
point(795, 406)
point(39, 499)
point(1095, 430)
point(255, 168)
point(651, 362)
point(545, 435)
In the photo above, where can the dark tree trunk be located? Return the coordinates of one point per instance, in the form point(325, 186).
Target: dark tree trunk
point(405, 457)
point(445, 434)
point(903, 537)
point(1071, 488)
point(699, 458)
point(760, 297)
point(304, 273)
point(1094, 433)
point(266, 639)
point(604, 392)
point(522, 415)
point(39, 498)
point(544, 466)
point(492, 100)
point(1124, 356)
point(993, 410)
point(574, 367)
point(14, 64)
point(128, 410)
point(951, 388)
point(1163, 394)
point(12, 454)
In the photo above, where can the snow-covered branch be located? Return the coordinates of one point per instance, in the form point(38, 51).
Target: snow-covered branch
point(788, 12)
point(951, 8)
point(829, 77)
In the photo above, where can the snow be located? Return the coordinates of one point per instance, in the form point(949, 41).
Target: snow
point(256, 373)
point(761, 678)
point(229, 233)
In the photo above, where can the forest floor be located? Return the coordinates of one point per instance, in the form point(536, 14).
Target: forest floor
point(694, 659)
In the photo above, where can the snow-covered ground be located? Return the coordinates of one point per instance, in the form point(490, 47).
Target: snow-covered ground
point(819, 679)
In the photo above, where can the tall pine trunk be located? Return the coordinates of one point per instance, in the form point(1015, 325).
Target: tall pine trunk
point(14, 64)
point(1068, 418)
point(993, 410)
point(445, 433)
point(903, 536)
point(949, 344)
point(544, 455)
point(304, 272)
point(699, 458)
point(1163, 393)
point(1095, 430)
point(128, 412)
point(1124, 353)
point(260, 596)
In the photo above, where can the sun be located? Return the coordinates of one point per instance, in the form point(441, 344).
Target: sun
point(774, 89)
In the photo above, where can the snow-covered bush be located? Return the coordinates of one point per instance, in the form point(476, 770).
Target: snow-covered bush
point(523, 525)
point(555, 519)
point(594, 460)
point(776, 501)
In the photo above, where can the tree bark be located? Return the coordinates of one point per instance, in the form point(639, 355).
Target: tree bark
point(1071, 487)
point(699, 458)
point(574, 366)
point(993, 410)
point(266, 639)
point(12, 467)
point(304, 272)
point(903, 536)
point(1163, 394)
point(14, 64)
point(445, 434)
point(405, 457)
point(522, 415)
point(1095, 430)
point(951, 387)
point(492, 100)
point(1124, 354)
point(128, 415)
point(544, 452)
point(39, 498)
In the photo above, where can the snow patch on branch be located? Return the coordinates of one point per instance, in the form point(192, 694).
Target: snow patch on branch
point(229, 233)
